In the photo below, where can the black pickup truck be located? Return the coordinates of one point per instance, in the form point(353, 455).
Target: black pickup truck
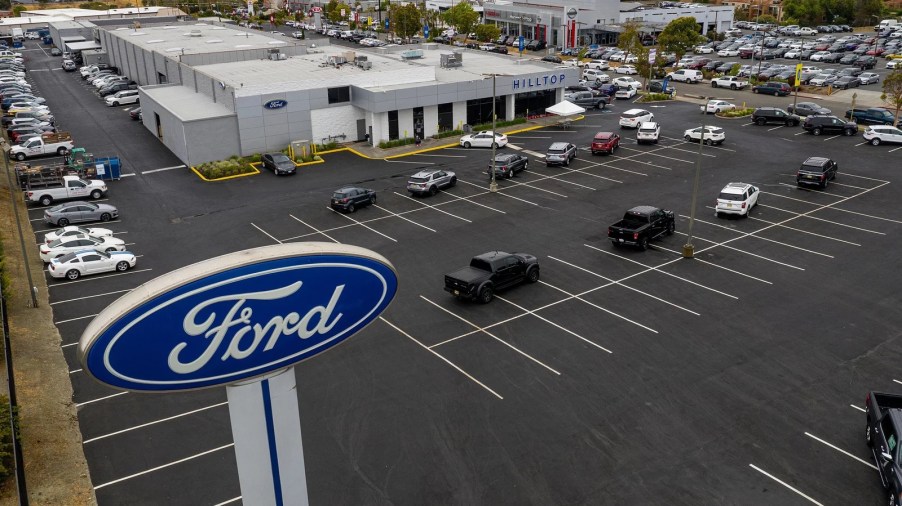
point(490, 272)
point(640, 225)
point(882, 434)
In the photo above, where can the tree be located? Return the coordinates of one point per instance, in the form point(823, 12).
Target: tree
point(18, 10)
point(461, 17)
point(680, 36)
point(630, 40)
point(866, 10)
point(892, 92)
point(487, 32)
point(333, 11)
point(405, 20)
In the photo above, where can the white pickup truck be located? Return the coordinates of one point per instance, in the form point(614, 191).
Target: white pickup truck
point(39, 146)
point(70, 187)
point(732, 82)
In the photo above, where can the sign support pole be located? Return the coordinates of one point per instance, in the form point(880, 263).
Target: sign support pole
point(266, 427)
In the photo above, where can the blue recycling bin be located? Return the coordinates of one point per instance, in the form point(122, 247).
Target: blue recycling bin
point(17, 44)
point(48, 40)
point(112, 167)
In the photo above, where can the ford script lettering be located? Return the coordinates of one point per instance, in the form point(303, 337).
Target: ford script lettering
point(235, 317)
point(275, 104)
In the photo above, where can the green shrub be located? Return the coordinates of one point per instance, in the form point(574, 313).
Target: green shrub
point(499, 124)
point(395, 143)
point(654, 97)
point(327, 146)
point(225, 168)
point(738, 113)
point(448, 133)
point(6, 438)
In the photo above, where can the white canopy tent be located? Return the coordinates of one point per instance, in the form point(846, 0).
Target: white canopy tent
point(565, 109)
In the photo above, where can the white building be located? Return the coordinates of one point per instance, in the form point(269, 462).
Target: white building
point(210, 92)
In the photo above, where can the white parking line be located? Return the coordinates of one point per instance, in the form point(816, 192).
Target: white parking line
point(656, 154)
point(833, 208)
point(343, 215)
point(894, 149)
point(499, 192)
point(528, 185)
point(658, 269)
point(80, 404)
point(75, 319)
point(396, 215)
point(528, 137)
point(840, 450)
point(229, 501)
point(148, 424)
point(89, 297)
point(267, 234)
point(781, 482)
point(897, 381)
point(596, 306)
point(441, 156)
point(724, 245)
point(314, 228)
point(775, 128)
point(174, 167)
point(804, 215)
point(712, 264)
point(163, 466)
point(861, 143)
point(804, 231)
point(486, 332)
point(859, 408)
point(429, 206)
point(754, 235)
point(443, 359)
point(559, 179)
point(623, 285)
point(801, 133)
point(812, 190)
point(546, 320)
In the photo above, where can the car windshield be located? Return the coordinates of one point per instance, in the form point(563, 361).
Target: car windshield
point(56, 243)
point(280, 158)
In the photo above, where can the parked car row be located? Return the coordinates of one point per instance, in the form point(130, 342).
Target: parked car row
point(27, 119)
point(114, 88)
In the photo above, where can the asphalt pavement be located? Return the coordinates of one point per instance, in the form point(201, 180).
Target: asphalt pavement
point(622, 377)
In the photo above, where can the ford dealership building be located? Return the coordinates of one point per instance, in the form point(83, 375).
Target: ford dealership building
point(211, 91)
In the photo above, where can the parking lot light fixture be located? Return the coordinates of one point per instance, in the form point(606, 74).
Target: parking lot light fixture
point(688, 248)
point(493, 185)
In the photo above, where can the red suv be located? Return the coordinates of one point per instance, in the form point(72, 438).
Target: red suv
point(605, 142)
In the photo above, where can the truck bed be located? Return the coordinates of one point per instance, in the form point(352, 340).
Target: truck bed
point(462, 278)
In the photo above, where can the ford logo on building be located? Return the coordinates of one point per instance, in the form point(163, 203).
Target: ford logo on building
point(238, 316)
point(275, 104)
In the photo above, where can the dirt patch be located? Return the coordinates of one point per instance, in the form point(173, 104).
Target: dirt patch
point(56, 472)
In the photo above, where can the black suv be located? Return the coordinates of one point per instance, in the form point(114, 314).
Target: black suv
point(829, 124)
point(763, 115)
point(774, 88)
point(349, 198)
point(507, 164)
point(817, 171)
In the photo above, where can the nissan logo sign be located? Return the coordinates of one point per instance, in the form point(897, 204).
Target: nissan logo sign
point(236, 317)
point(275, 104)
point(571, 13)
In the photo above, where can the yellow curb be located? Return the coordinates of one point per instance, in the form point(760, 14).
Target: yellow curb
point(314, 162)
point(256, 171)
point(434, 148)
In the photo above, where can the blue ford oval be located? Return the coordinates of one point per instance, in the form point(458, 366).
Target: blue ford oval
point(235, 317)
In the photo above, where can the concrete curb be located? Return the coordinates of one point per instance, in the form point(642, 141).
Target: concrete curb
point(201, 176)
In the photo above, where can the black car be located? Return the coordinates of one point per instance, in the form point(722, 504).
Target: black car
point(552, 59)
point(349, 198)
point(508, 164)
point(764, 115)
point(848, 59)
point(866, 62)
point(807, 109)
point(499, 50)
point(829, 124)
point(117, 87)
point(657, 86)
point(816, 170)
point(773, 88)
point(278, 163)
point(846, 82)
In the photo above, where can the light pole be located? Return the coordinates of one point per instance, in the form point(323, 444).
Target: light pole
point(761, 48)
point(688, 248)
point(493, 186)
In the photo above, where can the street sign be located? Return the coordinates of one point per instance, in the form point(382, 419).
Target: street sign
point(235, 317)
point(798, 73)
point(520, 43)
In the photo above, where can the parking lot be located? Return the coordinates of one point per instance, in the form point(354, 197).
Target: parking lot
point(622, 377)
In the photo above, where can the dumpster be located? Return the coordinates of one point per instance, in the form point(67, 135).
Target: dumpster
point(108, 167)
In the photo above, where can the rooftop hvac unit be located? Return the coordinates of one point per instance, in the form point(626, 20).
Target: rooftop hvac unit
point(194, 33)
point(459, 56)
point(365, 65)
point(337, 60)
point(450, 60)
point(359, 59)
point(349, 55)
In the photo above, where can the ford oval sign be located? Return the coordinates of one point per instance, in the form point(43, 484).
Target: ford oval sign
point(238, 316)
point(275, 104)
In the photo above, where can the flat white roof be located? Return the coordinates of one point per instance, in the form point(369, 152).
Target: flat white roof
point(80, 13)
point(185, 103)
point(199, 38)
point(388, 72)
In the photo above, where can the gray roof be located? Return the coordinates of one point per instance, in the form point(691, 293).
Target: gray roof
point(199, 38)
point(185, 104)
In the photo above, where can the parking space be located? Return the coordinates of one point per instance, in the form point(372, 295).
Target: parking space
point(739, 367)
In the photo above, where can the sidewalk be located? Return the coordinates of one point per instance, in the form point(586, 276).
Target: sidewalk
point(841, 98)
point(429, 144)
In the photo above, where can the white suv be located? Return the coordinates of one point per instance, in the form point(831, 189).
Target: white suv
point(122, 97)
point(635, 117)
point(595, 76)
point(736, 198)
point(686, 76)
point(648, 132)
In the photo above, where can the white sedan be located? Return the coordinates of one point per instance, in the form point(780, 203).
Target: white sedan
point(96, 233)
point(868, 78)
point(703, 50)
point(626, 82)
point(713, 135)
point(80, 263)
point(624, 93)
point(483, 140)
point(626, 69)
point(717, 106)
point(72, 243)
point(728, 52)
point(894, 63)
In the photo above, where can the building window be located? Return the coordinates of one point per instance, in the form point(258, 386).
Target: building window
point(339, 95)
point(479, 111)
point(392, 125)
point(445, 117)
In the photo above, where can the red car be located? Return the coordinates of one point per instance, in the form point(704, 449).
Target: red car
point(605, 142)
